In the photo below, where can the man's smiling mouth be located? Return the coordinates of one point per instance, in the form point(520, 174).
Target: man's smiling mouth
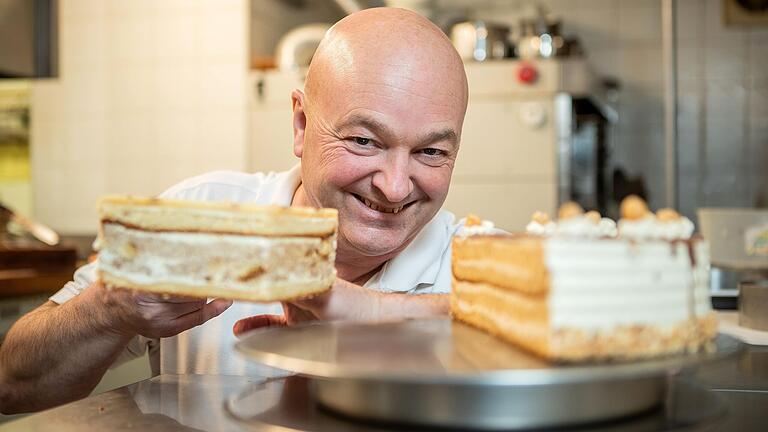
point(381, 208)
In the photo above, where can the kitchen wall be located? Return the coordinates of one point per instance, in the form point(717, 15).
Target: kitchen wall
point(149, 93)
point(152, 92)
point(723, 91)
point(723, 100)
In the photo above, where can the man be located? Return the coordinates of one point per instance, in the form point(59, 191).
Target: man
point(377, 131)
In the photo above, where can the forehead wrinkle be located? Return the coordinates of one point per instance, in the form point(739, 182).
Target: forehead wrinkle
point(428, 95)
point(366, 121)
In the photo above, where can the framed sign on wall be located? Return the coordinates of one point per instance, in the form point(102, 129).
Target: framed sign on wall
point(745, 12)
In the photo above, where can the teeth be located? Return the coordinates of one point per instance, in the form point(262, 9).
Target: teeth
point(376, 207)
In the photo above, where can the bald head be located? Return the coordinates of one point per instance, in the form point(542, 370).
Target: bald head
point(377, 130)
point(391, 47)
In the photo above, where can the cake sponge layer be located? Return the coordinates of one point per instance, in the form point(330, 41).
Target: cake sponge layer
point(515, 263)
point(279, 291)
point(174, 215)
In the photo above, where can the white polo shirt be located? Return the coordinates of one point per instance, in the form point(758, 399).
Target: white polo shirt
point(423, 267)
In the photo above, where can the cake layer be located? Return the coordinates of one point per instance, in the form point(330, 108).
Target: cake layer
point(257, 268)
point(512, 262)
point(171, 215)
point(634, 341)
point(494, 312)
point(519, 319)
point(272, 293)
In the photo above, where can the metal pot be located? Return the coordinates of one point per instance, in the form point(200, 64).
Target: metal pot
point(480, 40)
point(540, 38)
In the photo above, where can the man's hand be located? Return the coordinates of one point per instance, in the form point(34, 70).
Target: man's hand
point(346, 301)
point(133, 313)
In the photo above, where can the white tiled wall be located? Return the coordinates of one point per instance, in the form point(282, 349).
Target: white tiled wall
point(150, 92)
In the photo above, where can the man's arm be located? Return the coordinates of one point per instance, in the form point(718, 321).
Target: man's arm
point(349, 302)
point(58, 353)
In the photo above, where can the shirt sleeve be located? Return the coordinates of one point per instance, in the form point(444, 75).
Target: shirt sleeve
point(83, 278)
point(136, 348)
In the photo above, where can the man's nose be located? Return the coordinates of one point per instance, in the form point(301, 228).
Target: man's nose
point(394, 179)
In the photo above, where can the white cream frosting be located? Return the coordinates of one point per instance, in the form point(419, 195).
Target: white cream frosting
point(650, 227)
point(537, 228)
point(579, 226)
point(485, 227)
point(607, 228)
point(601, 284)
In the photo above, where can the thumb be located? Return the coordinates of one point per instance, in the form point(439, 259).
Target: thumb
point(252, 323)
point(209, 310)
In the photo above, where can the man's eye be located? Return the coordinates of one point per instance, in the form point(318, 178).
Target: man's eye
point(432, 152)
point(362, 141)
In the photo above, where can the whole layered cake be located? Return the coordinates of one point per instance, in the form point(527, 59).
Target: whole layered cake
point(224, 250)
point(586, 288)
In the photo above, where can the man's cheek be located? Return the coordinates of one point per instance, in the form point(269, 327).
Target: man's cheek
point(435, 183)
point(351, 168)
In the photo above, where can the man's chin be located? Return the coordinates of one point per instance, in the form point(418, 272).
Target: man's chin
point(377, 243)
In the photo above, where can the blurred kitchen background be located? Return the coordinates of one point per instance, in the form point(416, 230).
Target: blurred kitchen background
point(570, 99)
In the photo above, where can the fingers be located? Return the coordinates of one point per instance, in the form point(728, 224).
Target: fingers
point(214, 308)
point(252, 323)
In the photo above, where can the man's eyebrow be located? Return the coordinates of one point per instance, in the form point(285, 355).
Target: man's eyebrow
point(378, 127)
point(439, 136)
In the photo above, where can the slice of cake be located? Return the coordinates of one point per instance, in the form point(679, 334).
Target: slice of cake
point(200, 249)
point(582, 288)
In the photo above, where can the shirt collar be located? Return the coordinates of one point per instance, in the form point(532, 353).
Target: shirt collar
point(420, 262)
point(286, 187)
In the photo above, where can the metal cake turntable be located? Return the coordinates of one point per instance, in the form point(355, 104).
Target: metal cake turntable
point(447, 374)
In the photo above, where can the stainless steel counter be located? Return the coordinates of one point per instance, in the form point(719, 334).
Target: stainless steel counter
point(198, 402)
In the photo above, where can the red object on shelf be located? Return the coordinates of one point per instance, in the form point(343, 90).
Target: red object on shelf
point(527, 74)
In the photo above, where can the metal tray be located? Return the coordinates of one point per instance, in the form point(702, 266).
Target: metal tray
point(447, 374)
point(285, 405)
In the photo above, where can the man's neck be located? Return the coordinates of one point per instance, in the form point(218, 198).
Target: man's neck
point(350, 266)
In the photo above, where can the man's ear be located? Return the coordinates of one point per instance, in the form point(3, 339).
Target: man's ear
point(299, 122)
